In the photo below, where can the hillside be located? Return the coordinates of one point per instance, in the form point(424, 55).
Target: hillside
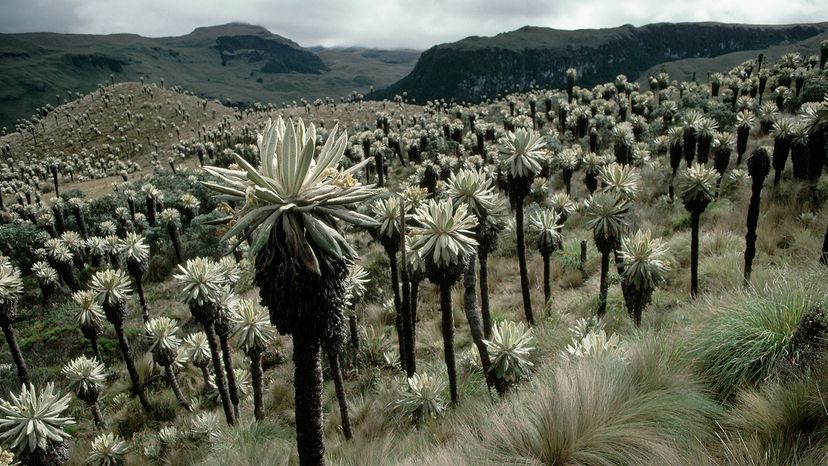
point(478, 67)
point(234, 62)
point(682, 70)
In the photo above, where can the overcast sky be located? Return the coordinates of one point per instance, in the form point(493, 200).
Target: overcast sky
point(385, 23)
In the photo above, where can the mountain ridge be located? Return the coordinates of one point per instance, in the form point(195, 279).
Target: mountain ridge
point(477, 67)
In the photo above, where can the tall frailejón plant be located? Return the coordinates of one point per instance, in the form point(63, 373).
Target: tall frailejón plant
point(758, 165)
point(162, 334)
point(644, 265)
point(545, 223)
point(606, 215)
point(112, 288)
point(445, 241)
point(290, 207)
point(201, 281)
point(253, 333)
point(11, 287)
point(697, 187)
point(522, 153)
point(137, 252)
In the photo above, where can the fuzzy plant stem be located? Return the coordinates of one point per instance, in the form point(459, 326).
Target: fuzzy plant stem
point(232, 387)
point(17, 355)
point(524, 271)
point(126, 351)
point(484, 295)
point(448, 337)
point(339, 387)
point(602, 294)
point(256, 373)
point(308, 398)
point(475, 325)
point(221, 382)
point(694, 253)
point(172, 381)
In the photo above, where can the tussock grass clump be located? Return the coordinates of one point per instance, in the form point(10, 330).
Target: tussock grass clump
point(644, 408)
point(748, 341)
point(779, 424)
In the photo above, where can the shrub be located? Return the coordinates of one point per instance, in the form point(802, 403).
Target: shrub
point(18, 242)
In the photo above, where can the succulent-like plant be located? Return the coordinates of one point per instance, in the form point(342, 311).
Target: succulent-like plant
point(758, 167)
point(33, 424)
point(107, 450)
point(87, 378)
point(89, 317)
point(162, 333)
point(644, 265)
point(422, 397)
point(697, 186)
point(253, 333)
point(137, 252)
point(522, 153)
point(197, 350)
point(445, 242)
point(545, 223)
point(11, 287)
point(511, 346)
point(606, 215)
point(201, 287)
point(623, 180)
point(112, 289)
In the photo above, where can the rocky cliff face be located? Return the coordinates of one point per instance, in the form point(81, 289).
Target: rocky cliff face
point(475, 68)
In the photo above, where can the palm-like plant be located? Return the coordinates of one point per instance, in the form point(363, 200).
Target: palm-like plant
point(78, 207)
point(354, 291)
point(11, 287)
point(522, 153)
point(511, 345)
point(33, 425)
point(171, 218)
point(605, 213)
point(87, 378)
point(645, 264)
point(197, 350)
point(47, 277)
point(676, 137)
point(705, 131)
point(697, 186)
point(137, 252)
point(445, 242)
point(783, 131)
point(545, 223)
point(89, 317)
point(758, 167)
point(107, 450)
point(387, 213)
point(201, 282)
point(476, 189)
point(161, 332)
point(60, 258)
point(744, 123)
point(722, 147)
point(691, 122)
point(225, 300)
point(112, 288)
point(292, 202)
point(621, 179)
point(253, 333)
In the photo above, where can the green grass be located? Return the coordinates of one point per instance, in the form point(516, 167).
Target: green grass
point(743, 343)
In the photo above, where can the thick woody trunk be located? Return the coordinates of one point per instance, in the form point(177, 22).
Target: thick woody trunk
point(448, 338)
point(524, 271)
point(308, 399)
point(339, 387)
point(17, 355)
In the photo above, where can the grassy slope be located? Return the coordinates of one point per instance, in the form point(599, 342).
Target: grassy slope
point(786, 248)
point(682, 70)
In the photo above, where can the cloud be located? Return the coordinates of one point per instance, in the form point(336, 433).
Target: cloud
point(385, 24)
